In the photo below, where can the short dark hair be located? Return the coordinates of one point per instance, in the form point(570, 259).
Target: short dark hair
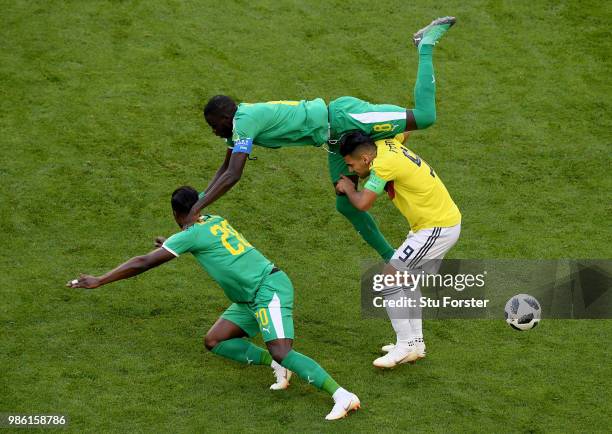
point(353, 140)
point(183, 199)
point(220, 105)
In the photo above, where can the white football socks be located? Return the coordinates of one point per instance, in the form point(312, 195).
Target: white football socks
point(403, 331)
point(416, 313)
point(399, 316)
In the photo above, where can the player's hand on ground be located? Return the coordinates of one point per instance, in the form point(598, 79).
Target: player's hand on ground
point(344, 185)
point(84, 281)
point(159, 241)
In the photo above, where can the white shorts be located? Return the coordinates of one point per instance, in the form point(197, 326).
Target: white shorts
point(425, 249)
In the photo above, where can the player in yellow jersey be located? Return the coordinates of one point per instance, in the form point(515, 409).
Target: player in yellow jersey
point(435, 223)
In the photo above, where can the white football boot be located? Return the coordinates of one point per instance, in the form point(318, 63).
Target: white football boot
point(398, 355)
point(344, 403)
point(282, 374)
point(418, 346)
point(387, 348)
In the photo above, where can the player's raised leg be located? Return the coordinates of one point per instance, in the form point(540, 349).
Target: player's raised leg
point(423, 114)
point(362, 221)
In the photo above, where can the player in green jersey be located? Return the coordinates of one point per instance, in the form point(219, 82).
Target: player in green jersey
point(278, 124)
point(261, 295)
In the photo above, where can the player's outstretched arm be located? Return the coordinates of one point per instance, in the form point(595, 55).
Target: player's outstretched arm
point(130, 268)
point(362, 200)
point(221, 170)
point(222, 184)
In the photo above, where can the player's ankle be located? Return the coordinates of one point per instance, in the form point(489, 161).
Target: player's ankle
point(404, 344)
point(341, 393)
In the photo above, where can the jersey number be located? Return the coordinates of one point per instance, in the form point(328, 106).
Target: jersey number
point(262, 315)
point(226, 230)
point(416, 160)
point(380, 128)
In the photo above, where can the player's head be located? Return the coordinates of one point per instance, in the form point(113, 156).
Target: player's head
point(183, 198)
point(219, 113)
point(358, 151)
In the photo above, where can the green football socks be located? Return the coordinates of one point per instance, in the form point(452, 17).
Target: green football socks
point(365, 225)
point(243, 351)
point(425, 89)
point(309, 370)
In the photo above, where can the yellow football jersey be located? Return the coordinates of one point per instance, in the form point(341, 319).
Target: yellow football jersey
point(413, 186)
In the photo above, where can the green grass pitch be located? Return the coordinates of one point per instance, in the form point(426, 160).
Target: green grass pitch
point(100, 119)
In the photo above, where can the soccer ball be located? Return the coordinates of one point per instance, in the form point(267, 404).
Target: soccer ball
point(523, 312)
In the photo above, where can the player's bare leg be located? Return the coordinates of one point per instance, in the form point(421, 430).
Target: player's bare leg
point(225, 339)
point(278, 349)
point(222, 330)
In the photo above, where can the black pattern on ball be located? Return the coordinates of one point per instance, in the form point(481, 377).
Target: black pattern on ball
point(532, 302)
point(522, 312)
point(515, 305)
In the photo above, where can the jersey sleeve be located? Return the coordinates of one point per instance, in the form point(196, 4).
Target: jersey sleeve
point(181, 242)
point(245, 131)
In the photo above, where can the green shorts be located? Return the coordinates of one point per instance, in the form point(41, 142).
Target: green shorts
point(379, 121)
point(271, 313)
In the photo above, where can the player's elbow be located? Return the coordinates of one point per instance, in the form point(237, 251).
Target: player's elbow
point(363, 206)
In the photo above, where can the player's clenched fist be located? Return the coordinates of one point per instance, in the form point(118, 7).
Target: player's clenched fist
point(344, 185)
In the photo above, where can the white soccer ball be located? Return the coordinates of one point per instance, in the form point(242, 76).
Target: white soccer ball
point(523, 312)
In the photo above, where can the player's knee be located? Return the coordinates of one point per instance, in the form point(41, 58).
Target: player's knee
point(279, 355)
point(210, 342)
point(279, 352)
